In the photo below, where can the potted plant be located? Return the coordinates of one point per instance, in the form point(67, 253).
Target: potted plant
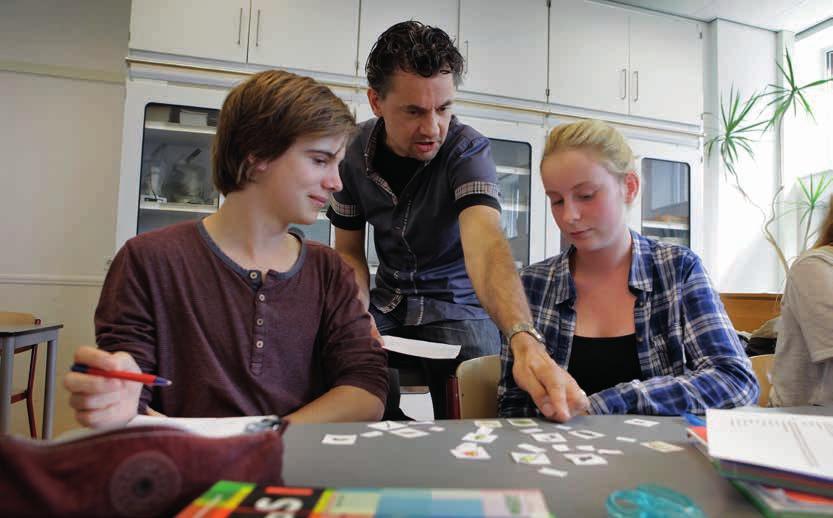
point(741, 125)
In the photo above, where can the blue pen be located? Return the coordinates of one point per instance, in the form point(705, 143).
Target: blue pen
point(694, 420)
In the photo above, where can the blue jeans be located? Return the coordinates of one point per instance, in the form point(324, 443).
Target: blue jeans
point(476, 338)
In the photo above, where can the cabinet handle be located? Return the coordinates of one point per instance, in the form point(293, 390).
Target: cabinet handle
point(239, 26)
point(257, 30)
point(635, 85)
point(466, 63)
point(623, 83)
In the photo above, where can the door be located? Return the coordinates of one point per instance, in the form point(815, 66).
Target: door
point(666, 72)
point(669, 206)
point(316, 35)
point(378, 15)
point(589, 56)
point(211, 29)
point(516, 151)
point(505, 47)
point(175, 181)
point(163, 178)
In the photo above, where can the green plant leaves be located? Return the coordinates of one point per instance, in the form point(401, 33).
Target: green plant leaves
point(789, 96)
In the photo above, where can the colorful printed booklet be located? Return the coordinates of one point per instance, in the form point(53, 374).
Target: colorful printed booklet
point(241, 499)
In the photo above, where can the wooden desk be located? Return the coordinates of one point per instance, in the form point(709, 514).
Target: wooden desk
point(748, 311)
point(13, 338)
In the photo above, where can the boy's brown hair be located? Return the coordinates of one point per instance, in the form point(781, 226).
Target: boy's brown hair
point(263, 116)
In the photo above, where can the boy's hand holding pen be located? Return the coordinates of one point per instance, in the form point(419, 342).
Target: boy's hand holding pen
point(105, 387)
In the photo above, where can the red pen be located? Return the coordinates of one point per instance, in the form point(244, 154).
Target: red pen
point(147, 379)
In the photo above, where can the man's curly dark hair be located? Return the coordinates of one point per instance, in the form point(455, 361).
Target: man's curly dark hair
point(415, 48)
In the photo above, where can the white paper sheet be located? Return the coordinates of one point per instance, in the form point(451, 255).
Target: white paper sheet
point(421, 348)
point(207, 426)
point(791, 442)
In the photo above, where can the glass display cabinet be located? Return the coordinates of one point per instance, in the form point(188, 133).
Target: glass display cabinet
point(666, 209)
point(175, 177)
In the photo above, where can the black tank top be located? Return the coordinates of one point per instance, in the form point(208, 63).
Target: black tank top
point(600, 363)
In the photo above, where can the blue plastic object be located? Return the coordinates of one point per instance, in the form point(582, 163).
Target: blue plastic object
point(694, 420)
point(651, 501)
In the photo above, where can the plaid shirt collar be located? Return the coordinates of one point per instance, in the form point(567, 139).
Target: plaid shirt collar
point(639, 278)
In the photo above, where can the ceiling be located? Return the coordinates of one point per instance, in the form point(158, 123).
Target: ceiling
point(776, 15)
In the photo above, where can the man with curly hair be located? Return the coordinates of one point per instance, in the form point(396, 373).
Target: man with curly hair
point(427, 184)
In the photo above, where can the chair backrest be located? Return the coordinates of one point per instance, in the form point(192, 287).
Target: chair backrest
point(762, 365)
point(477, 381)
point(11, 318)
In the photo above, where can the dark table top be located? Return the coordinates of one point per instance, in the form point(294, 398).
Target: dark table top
point(426, 462)
point(21, 330)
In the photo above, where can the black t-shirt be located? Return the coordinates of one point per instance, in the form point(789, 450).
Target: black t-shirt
point(600, 363)
point(396, 170)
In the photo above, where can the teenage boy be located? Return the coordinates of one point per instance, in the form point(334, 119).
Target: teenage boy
point(243, 314)
point(427, 184)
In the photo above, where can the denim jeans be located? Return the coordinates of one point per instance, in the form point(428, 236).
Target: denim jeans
point(476, 338)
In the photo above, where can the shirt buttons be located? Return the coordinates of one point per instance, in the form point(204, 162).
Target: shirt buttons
point(253, 275)
point(259, 344)
point(261, 297)
point(260, 321)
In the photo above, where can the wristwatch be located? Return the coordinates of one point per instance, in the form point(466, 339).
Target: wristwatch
point(526, 327)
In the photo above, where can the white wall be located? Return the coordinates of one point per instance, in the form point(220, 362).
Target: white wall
point(737, 255)
point(808, 143)
point(62, 83)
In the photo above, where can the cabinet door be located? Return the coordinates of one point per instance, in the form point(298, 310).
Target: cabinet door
point(669, 206)
point(317, 35)
point(378, 15)
point(589, 56)
point(175, 177)
point(212, 29)
point(666, 73)
point(505, 47)
point(666, 206)
point(516, 150)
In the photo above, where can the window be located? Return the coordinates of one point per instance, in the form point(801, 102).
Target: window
point(829, 64)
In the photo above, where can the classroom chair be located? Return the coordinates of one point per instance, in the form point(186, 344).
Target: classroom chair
point(10, 318)
point(476, 387)
point(762, 365)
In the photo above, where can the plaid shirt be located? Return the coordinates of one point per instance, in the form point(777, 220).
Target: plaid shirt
point(689, 354)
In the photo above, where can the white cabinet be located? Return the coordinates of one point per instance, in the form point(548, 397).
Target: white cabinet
point(669, 206)
point(666, 67)
point(318, 35)
point(163, 179)
point(588, 56)
point(504, 44)
point(315, 35)
point(621, 61)
point(378, 15)
point(516, 150)
point(211, 29)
